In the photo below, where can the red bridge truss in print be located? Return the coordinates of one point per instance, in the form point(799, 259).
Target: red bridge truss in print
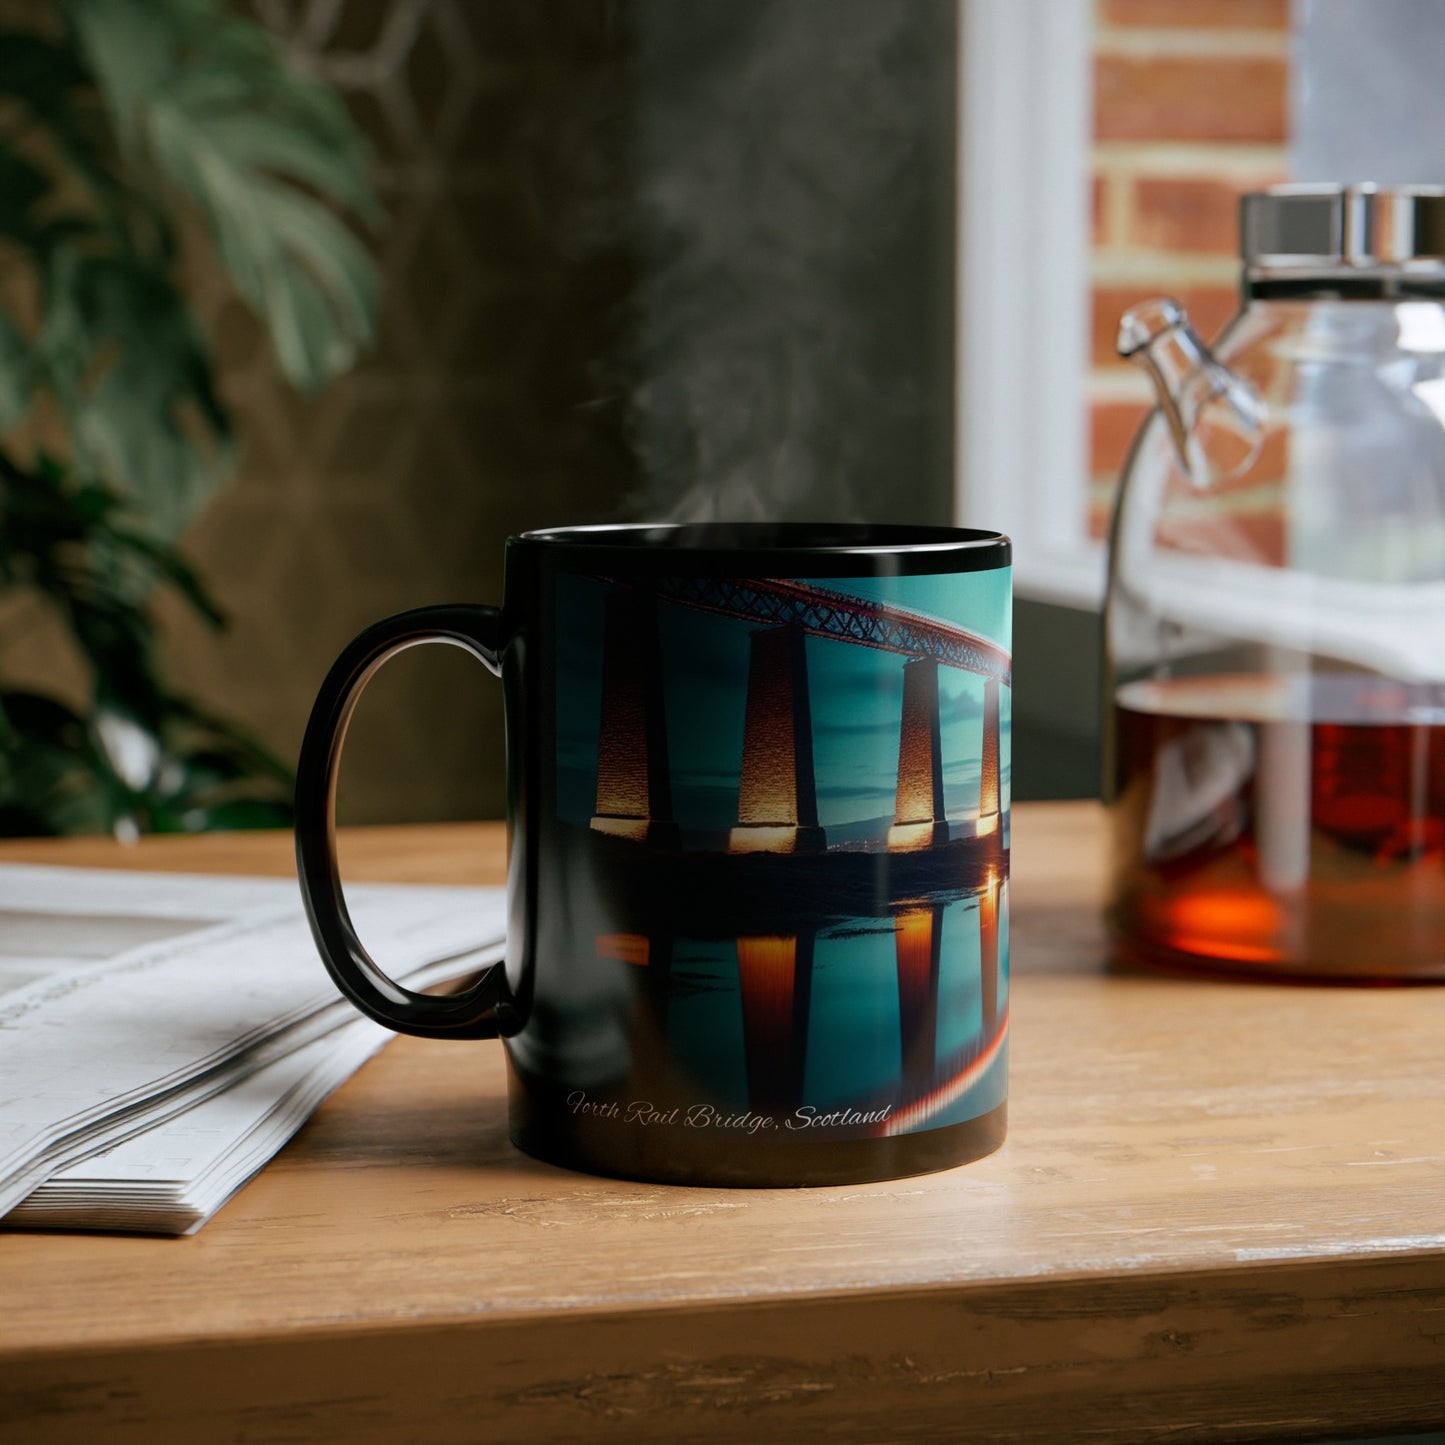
point(842, 617)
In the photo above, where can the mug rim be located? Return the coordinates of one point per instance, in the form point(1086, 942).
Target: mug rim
point(969, 547)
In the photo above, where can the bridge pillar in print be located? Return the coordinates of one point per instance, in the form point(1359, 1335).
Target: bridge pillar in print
point(990, 903)
point(918, 943)
point(777, 794)
point(634, 784)
point(775, 978)
point(918, 815)
point(990, 791)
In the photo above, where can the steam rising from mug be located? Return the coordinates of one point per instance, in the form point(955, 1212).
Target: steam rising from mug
point(775, 321)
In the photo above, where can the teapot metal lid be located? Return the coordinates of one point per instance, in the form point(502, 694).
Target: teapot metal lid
point(1334, 229)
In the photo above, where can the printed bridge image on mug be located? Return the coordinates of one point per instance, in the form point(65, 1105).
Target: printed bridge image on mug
point(759, 848)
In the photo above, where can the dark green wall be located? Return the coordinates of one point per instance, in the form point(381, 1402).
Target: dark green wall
point(794, 215)
point(1055, 702)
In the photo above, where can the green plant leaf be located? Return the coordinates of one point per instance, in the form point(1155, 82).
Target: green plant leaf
point(15, 374)
point(312, 282)
point(39, 74)
point(170, 566)
point(49, 783)
point(208, 101)
point(108, 120)
point(235, 813)
point(51, 90)
point(132, 374)
point(72, 544)
point(21, 186)
point(243, 747)
point(129, 48)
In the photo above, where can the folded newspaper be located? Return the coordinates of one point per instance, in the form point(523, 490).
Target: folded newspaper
point(162, 1035)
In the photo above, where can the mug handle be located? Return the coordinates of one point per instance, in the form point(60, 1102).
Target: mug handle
point(468, 1015)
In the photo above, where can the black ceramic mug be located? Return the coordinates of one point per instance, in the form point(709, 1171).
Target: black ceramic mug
point(758, 831)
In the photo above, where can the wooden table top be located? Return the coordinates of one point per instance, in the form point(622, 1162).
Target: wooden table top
point(1220, 1214)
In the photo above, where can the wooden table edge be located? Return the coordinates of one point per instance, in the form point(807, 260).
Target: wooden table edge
point(1035, 1353)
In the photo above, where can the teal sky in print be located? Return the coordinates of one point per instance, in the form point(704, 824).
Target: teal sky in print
point(856, 698)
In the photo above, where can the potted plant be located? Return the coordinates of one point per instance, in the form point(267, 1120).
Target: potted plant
point(121, 123)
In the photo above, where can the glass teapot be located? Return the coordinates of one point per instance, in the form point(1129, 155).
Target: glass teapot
point(1275, 623)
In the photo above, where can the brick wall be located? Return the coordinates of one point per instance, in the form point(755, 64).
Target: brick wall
point(1190, 111)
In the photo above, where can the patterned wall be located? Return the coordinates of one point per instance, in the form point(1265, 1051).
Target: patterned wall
point(480, 413)
point(643, 257)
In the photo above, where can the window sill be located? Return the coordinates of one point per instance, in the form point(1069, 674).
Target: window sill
point(1064, 578)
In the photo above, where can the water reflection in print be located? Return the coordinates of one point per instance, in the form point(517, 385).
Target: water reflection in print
point(906, 1010)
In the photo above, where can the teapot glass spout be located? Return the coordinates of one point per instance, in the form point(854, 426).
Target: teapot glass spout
point(1215, 417)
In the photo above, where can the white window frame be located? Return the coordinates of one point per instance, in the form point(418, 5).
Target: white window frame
point(1025, 136)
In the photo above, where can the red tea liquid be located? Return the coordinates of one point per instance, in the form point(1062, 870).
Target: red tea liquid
point(1288, 826)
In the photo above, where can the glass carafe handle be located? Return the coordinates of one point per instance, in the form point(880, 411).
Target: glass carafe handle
point(1215, 417)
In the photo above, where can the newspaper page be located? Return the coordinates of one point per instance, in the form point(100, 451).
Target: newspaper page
point(128, 1000)
point(173, 1175)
